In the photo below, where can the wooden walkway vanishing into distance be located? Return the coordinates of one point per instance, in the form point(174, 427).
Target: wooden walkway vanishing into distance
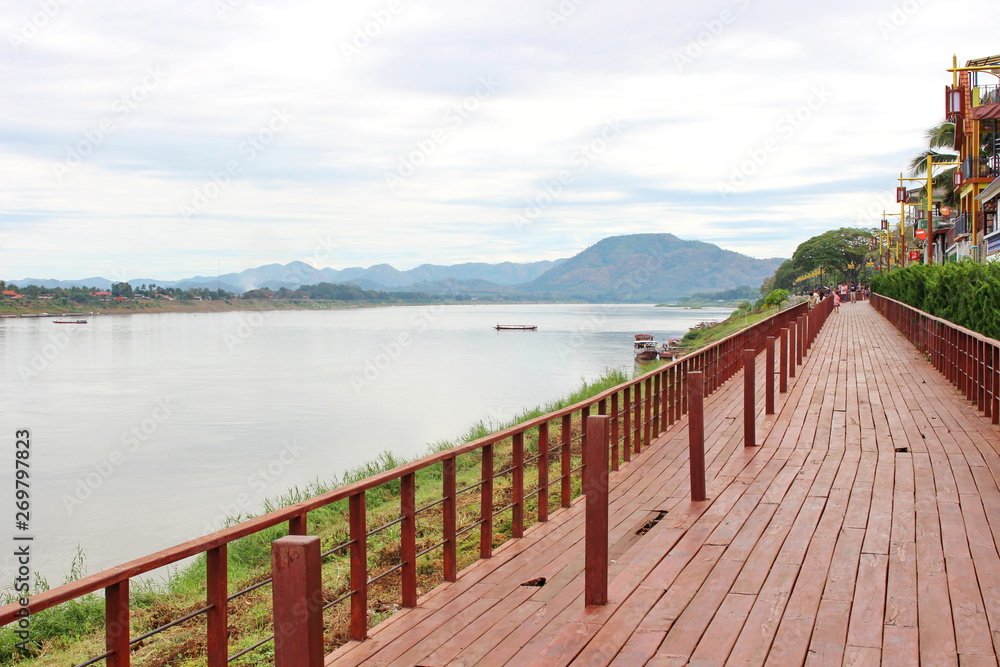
point(858, 532)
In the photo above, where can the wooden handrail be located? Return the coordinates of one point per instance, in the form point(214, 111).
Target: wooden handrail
point(656, 397)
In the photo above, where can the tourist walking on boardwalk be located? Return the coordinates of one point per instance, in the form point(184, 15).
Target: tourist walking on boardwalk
point(836, 302)
point(854, 292)
point(843, 292)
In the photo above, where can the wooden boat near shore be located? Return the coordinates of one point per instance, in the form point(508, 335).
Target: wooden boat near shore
point(516, 327)
point(644, 347)
point(69, 321)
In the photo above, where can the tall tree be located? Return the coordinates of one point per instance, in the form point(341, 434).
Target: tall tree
point(842, 251)
point(941, 135)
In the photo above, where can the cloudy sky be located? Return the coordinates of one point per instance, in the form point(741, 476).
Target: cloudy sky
point(164, 139)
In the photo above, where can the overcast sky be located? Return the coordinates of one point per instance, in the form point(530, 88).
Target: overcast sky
point(164, 139)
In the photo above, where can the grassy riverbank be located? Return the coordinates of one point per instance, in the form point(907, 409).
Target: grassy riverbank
point(74, 631)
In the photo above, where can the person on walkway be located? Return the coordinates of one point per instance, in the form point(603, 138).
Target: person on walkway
point(836, 302)
point(854, 292)
point(813, 299)
point(843, 291)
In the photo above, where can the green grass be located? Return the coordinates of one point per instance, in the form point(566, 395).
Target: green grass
point(74, 631)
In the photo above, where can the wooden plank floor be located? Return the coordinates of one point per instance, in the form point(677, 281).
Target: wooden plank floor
point(859, 532)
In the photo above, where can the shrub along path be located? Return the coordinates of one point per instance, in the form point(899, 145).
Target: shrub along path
point(861, 529)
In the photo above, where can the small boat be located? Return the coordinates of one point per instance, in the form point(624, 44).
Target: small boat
point(669, 349)
point(516, 327)
point(69, 321)
point(644, 347)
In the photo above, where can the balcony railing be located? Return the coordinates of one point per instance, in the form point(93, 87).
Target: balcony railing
point(989, 94)
point(962, 224)
point(987, 166)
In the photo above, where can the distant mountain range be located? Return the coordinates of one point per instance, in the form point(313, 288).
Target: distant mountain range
point(637, 267)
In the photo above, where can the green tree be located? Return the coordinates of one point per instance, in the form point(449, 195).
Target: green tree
point(121, 289)
point(842, 251)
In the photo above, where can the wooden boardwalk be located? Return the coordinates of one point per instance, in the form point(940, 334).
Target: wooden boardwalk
point(859, 532)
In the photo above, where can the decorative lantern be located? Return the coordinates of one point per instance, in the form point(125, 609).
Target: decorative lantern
point(900, 195)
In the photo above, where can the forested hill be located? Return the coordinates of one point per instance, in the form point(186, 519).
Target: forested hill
point(642, 267)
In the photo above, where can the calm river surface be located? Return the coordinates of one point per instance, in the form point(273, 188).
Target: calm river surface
point(147, 430)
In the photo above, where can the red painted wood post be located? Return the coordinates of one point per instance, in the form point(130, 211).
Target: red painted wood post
point(749, 411)
point(116, 624)
point(567, 460)
point(584, 414)
point(655, 396)
point(543, 471)
point(800, 339)
point(408, 539)
point(792, 335)
point(217, 585)
point(298, 525)
point(695, 389)
point(614, 432)
point(486, 504)
point(297, 591)
point(627, 422)
point(595, 486)
point(358, 522)
point(647, 424)
point(449, 520)
point(664, 400)
point(673, 394)
point(637, 418)
point(517, 485)
point(783, 362)
point(769, 377)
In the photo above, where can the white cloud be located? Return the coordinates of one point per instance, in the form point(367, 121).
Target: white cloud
point(407, 98)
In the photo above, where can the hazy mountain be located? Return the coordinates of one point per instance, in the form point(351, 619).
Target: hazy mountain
point(639, 267)
point(643, 267)
point(295, 274)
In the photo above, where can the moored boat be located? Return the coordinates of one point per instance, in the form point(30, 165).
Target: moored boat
point(69, 321)
point(516, 327)
point(644, 347)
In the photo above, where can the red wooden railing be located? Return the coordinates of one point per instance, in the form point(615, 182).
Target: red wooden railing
point(969, 360)
point(637, 412)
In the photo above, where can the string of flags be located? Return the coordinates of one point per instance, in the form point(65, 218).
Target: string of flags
point(807, 276)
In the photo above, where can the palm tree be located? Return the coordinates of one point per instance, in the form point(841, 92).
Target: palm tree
point(939, 136)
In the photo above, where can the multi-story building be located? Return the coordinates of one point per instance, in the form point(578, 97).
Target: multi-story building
point(973, 105)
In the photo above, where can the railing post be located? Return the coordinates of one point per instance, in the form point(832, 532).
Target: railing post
point(792, 336)
point(408, 538)
point(517, 485)
point(749, 412)
point(297, 591)
point(614, 431)
point(116, 624)
point(769, 378)
point(358, 523)
point(695, 387)
point(486, 504)
point(647, 425)
point(783, 362)
point(566, 461)
point(637, 418)
point(217, 585)
point(800, 340)
point(543, 471)
point(627, 423)
point(595, 486)
point(449, 520)
point(655, 397)
point(299, 524)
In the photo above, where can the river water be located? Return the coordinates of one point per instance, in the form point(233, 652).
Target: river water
point(148, 430)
